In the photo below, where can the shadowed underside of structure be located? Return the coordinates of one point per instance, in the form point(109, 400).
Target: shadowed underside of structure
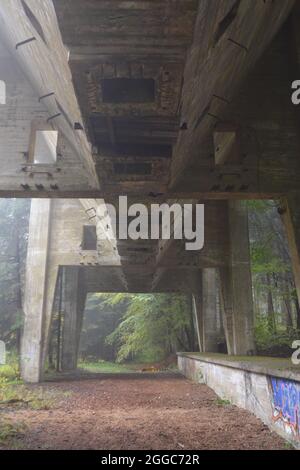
point(162, 101)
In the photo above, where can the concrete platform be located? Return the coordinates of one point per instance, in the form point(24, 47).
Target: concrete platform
point(277, 367)
point(268, 387)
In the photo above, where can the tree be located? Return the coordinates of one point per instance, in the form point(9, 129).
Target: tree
point(276, 305)
point(153, 327)
point(14, 216)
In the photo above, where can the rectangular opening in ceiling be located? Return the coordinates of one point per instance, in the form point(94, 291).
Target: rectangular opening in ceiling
point(89, 239)
point(133, 168)
point(135, 150)
point(45, 148)
point(128, 90)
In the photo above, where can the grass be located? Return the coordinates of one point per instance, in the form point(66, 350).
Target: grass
point(18, 396)
point(14, 393)
point(106, 367)
point(9, 432)
point(221, 402)
point(10, 372)
point(289, 446)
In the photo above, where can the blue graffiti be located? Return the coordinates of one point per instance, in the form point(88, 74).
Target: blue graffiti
point(286, 401)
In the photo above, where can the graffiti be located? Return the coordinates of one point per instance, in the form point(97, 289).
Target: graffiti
point(286, 404)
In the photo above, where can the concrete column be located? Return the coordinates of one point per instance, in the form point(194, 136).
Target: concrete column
point(74, 295)
point(236, 284)
point(40, 280)
point(290, 213)
point(209, 310)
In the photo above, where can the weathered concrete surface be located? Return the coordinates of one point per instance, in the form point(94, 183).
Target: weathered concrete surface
point(44, 61)
point(209, 310)
point(39, 291)
point(55, 241)
point(236, 284)
point(86, 42)
point(135, 144)
point(74, 296)
point(264, 386)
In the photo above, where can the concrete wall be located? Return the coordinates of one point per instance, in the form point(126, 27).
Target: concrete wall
point(275, 400)
point(19, 117)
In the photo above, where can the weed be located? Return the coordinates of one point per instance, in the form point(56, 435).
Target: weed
point(221, 402)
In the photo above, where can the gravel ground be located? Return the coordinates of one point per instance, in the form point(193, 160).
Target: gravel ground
point(121, 412)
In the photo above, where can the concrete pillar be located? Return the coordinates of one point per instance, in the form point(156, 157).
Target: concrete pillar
point(41, 277)
point(236, 284)
point(209, 310)
point(205, 310)
point(290, 213)
point(74, 296)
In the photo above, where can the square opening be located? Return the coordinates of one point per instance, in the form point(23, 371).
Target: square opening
point(89, 241)
point(45, 149)
point(128, 90)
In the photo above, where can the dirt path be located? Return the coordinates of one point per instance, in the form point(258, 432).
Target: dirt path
point(142, 413)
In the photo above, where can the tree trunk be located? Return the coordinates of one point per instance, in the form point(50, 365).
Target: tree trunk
point(270, 311)
point(19, 306)
point(297, 307)
point(288, 305)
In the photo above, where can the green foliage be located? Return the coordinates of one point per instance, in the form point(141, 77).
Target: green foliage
point(10, 371)
point(277, 308)
point(101, 318)
point(221, 402)
point(154, 326)
point(264, 260)
point(17, 395)
point(274, 343)
point(11, 431)
point(14, 216)
point(105, 367)
point(266, 243)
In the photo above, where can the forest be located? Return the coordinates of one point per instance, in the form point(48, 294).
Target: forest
point(147, 328)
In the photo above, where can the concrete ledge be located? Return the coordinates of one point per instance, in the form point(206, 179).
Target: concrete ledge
point(269, 388)
point(276, 367)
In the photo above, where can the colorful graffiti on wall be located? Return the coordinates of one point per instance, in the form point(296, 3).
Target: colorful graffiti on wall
point(286, 404)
